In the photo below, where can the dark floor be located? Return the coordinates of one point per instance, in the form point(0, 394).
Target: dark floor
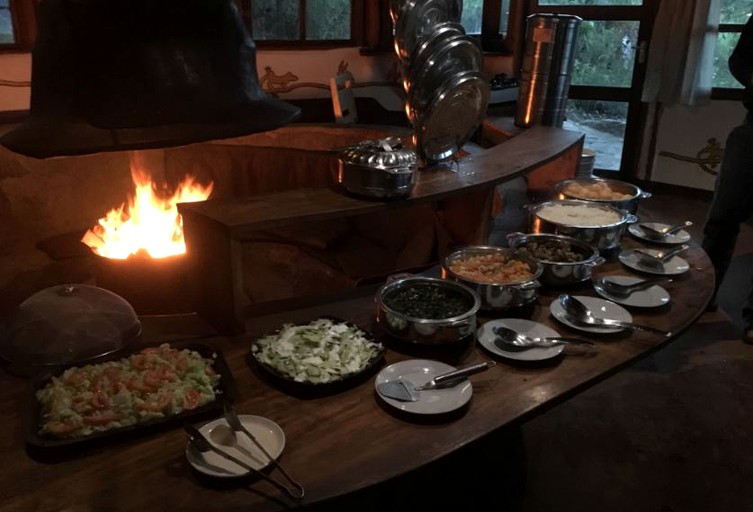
point(672, 433)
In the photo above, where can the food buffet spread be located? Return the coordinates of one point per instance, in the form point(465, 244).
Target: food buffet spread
point(476, 344)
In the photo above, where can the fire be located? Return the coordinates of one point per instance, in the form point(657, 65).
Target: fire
point(149, 223)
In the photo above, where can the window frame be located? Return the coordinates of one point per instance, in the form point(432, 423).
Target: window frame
point(728, 93)
point(490, 38)
point(23, 18)
point(357, 24)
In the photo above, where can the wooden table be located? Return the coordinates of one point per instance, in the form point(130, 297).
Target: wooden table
point(336, 444)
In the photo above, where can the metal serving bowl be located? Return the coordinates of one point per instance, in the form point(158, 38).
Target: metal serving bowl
point(560, 273)
point(378, 168)
point(427, 331)
point(629, 204)
point(496, 296)
point(603, 237)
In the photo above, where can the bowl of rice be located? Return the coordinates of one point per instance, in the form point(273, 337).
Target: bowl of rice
point(504, 278)
point(599, 225)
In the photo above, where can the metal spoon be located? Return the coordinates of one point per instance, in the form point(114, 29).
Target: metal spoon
point(665, 231)
point(625, 290)
point(578, 313)
point(517, 339)
point(660, 257)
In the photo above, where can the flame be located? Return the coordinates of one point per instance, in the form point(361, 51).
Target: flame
point(149, 223)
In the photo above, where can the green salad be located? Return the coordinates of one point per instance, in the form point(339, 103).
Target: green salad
point(318, 352)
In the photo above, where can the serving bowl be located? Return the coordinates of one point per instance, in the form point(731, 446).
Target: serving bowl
point(619, 194)
point(492, 272)
point(427, 310)
point(378, 168)
point(599, 225)
point(566, 260)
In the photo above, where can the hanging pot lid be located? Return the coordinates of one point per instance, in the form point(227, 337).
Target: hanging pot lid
point(68, 324)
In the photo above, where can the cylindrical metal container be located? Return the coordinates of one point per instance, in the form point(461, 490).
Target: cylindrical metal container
point(378, 168)
point(558, 272)
point(569, 189)
point(426, 331)
point(546, 67)
point(603, 236)
point(496, 296)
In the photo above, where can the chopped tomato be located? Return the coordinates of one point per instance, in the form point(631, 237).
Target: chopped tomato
point(191, 400)
point(101, 418)
point(61, 428)
point(143, 387)
point(155, 403)
point(100, 400)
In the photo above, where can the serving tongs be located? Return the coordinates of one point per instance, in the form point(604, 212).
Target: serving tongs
point(235, 423)
point(201, 443)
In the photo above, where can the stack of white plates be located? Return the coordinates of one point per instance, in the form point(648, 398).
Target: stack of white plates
point(446, 91)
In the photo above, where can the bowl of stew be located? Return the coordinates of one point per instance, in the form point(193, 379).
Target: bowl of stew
point(427, 310)
point(504, 278)
point(566, 260)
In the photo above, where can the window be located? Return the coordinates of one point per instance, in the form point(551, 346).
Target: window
point(493, 21)
point(301, 21)
point(7, 31)
point(17, 24)
point(733, 16)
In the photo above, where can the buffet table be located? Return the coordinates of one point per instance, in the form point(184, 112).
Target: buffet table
point(344, 441)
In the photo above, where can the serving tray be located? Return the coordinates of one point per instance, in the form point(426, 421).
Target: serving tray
point(308, 388)
point(43, 444)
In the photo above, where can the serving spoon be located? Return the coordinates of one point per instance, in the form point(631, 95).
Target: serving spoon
point(579, 314)
point(625, 290)
point(520, 340)
point(660, 257)
point(665, 231)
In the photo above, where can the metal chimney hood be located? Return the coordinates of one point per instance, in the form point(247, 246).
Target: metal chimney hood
point(112, 75)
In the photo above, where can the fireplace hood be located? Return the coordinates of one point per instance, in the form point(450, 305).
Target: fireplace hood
point(111, 75)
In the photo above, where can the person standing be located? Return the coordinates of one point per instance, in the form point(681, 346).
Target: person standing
point(732, 203)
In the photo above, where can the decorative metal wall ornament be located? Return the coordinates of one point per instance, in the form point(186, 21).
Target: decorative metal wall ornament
point(708, 158)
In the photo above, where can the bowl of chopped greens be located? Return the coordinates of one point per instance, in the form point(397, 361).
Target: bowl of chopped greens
point(427, 310)
point(318, 354)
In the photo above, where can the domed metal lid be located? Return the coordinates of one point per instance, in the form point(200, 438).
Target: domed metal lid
point(385, 154)
point(68, 324)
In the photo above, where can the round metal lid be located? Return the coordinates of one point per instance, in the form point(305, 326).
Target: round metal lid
point(416, 19)
point(448, 57)
point(380, 154)
point(456, 112)
point(68, 324)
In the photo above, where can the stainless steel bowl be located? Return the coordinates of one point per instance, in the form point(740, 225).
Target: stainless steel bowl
point(603, 237)
point(629, 204)
point(560, 273)
point(426, 331)
point(378, 168)
point(496, 296)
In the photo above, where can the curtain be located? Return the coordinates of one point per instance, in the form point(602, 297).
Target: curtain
point(681, 55)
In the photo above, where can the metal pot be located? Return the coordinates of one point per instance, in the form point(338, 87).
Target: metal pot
point(425, 330)
point(378, 168)
point(603, 236)
point(561, 273)
point(629, 205)
point(497, 296)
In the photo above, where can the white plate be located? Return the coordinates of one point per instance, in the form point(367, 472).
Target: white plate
point(652, 297)
point(600, 308)
point(485, 336)
point(432, 401)
point(266, 431)
point(673, 267)
point(680, 237)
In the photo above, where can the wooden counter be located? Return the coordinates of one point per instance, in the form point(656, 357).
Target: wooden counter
point(215, 229)
point(336, 444)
